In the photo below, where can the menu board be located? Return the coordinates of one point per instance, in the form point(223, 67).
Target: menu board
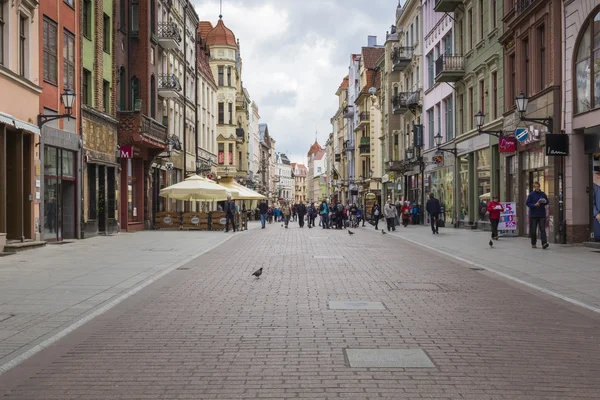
point(508, 218)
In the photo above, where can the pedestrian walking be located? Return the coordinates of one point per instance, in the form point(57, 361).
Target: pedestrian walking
point(416, 212)
point(537, 202)
point(312, 214)
point(286, 211)
point(433, 208)
point(229, 214)
point(405, 214)
point(494, 209)
point(301, 210)
point(295, 212)
point(324, 211)
point(391, 213)
point(263, 209)
point(376, 213)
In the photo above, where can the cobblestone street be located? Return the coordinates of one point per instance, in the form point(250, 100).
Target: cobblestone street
point(209, 330)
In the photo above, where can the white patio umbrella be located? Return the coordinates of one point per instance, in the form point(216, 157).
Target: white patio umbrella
point(196, 188)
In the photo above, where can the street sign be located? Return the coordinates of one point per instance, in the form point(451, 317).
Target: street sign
point(522, 134)
point(417, 136)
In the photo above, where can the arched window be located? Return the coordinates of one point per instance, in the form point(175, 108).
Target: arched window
point(135, 91)
point(153, 97)
point(122, 89)
point(587, 65)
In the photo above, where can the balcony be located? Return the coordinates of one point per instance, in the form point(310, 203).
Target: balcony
point(348, 145)
point(338, 157)
point(523, 5)
point(364, 118)
point(404, 101)
point(365, 145)
point(168, 86)
point(401, 58)
point(446, 6)
point(153, 130)
point(449, 68)
point(240, 135)
point(138, 129)
point(168, 36)
point(348, 111)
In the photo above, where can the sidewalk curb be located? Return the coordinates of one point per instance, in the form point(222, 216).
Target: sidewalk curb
point(502, 274)
point(104, 308)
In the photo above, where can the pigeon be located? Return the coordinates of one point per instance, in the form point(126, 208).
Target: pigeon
point(258, 273)
point(383, 232)
point(350, 232)
point(491, 243)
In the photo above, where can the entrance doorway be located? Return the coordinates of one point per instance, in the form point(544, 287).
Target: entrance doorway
point(18, 183)
point(60, 184)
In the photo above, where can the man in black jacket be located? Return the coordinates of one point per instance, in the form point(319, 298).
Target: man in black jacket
point(263, 208)
point(301, 210)
point(434, 208)
point(229, 214)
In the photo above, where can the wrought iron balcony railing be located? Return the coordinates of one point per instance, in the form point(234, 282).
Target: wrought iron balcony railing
point(364, 116)
point(169, 82)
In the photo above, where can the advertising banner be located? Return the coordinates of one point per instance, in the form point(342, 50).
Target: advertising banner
point(508, 218)
point(508, 144)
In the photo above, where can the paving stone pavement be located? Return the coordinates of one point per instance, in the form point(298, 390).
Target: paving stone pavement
point(571, 271)
point(215, 332)
point(45, 291)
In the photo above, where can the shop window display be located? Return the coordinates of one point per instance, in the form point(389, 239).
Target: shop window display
point(483, 182)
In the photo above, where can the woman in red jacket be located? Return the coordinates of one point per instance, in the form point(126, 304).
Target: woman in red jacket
point(495, 208)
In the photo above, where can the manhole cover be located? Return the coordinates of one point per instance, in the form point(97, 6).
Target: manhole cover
point(356, 305)
point(388, 358)
point(4, 317)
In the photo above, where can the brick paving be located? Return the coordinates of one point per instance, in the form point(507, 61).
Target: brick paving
point(214, 332)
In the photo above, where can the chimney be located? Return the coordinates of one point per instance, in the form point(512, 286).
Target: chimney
point(372, 41)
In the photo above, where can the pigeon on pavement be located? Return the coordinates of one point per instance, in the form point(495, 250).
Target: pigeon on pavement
point(350, 232)
point(258, 273)
point(383, 232)
point(491, 243)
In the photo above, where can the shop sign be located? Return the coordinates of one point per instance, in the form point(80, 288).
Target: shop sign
point(126, 151)
point(438, 159)
point(195, 220)
point(418, 136)
point(522, 134)
point(508, 144)
point(557, 145)
point(508, 218)
point(385, 178)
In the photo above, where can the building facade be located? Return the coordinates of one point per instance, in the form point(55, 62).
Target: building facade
point(299, 171)
point(316, 168)
point(265, 172)
point(98, 127)
point(285, 180)
point(531, 42)
point(143, 132)
point(20, 166)
point(581, 94)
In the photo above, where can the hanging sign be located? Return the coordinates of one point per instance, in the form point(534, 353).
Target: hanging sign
point(508, 217)
point(438, 159)
point(522, 134)
point(126, 151)
point(508, 144)
point(557, 145)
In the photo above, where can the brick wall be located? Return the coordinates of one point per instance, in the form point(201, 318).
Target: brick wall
point(98, 16)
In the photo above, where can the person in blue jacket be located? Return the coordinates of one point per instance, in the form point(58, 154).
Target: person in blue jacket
point(537, 202)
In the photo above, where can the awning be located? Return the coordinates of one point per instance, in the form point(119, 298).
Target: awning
point(244, 193)
point(17, 123)
point(196, 188)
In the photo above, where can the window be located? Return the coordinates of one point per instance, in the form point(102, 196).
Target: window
point(459, 42)
point(430, 81)
point(50, 50)
point(135, 17)
point(69, 60)
point(122, 89)
point(152, 17)
point(221, 155)
point(512, 65)
point(449, 118)
point(470, 110)
point(481, 26)
point(587, 67)
point(22, 45)
point(526, 66)
point(135, 90)
point(481, 96)
point(228, 76)
point(1, 33)
point(230, 111)
point(87, 83)
point(221, 113)
point(71, 3)
point(461, 114)
point(542, 57)
point(92, 190)
point(221, 80)
point(106, 34)
point(417, 27)
point(493, 14)
point(470, 28)
point(106, 96)
point(153, 96)
point(87, 18)
point(431, 127)
point(230, 153)
point(494, 95)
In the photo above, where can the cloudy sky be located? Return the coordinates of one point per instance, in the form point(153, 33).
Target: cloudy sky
point(296, 53)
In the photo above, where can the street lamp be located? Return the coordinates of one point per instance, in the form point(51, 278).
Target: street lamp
point(479, 120)
point(521, 102)
point(67, 98)
point(438, 143)
point(410, 152)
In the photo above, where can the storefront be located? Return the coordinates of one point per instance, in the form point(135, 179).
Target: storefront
point(483, 183)
point(592, 149)
point(60, 194)
point(442, 186)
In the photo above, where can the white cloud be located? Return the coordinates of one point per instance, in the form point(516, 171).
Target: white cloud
point(295, 54)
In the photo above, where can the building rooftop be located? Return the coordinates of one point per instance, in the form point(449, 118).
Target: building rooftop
point(221, 35)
